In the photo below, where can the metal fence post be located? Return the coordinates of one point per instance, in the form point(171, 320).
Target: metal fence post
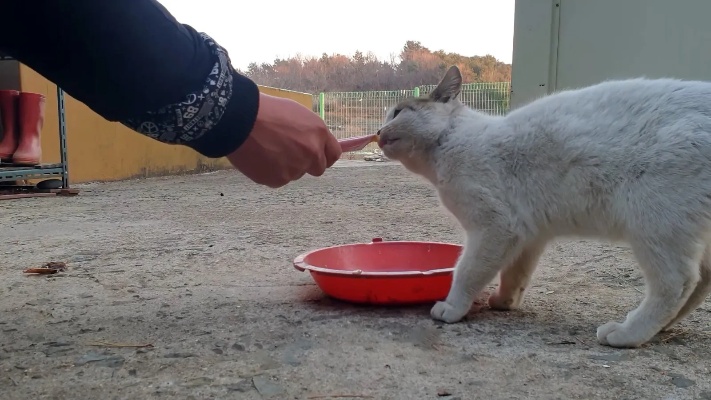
point(416, 91)
point(322, 105)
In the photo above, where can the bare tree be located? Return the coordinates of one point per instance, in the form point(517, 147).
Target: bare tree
point(414, 65)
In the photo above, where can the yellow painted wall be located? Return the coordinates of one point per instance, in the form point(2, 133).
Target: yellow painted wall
point(99, 150)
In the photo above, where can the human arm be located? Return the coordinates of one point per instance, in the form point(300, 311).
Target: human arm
point(126, 58)
point(132, 62)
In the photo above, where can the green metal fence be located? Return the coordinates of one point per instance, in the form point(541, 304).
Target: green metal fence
point(350, 114)
point(489, 97)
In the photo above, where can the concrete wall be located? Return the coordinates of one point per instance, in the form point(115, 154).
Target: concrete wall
point(562, 44)
point(99, 150)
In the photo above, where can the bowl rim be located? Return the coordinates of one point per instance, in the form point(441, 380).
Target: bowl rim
point(302, 265)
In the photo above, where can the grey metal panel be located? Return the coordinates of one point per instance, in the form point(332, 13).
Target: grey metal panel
point(533, 43)
point(604, 39)
point(9, 75)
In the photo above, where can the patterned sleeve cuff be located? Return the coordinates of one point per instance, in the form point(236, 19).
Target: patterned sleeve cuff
point(210, 120)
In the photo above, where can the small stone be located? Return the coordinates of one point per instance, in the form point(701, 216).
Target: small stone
point(238, 346)
point(132, 372)
point(294, 353)
point(681, 382)
point(104, 360)
point(217, 351)
point(266, 387)
point(441, 392)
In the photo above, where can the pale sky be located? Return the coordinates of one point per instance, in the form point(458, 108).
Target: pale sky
point(262, 30)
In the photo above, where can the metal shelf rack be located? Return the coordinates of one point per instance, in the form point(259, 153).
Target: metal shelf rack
point(11, 172)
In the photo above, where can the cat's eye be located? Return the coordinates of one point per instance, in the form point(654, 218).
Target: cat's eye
point(397, 110)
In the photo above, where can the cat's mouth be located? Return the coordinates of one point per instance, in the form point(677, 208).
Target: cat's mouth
point(382, 142)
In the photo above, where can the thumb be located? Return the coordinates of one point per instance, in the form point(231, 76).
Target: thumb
point(333, 150)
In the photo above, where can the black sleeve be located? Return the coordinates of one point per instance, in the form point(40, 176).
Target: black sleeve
point(130, 61)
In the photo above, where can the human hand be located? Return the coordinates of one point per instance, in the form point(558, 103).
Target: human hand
point(287, 141)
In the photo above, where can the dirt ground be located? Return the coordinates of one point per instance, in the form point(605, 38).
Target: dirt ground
point(200, 268)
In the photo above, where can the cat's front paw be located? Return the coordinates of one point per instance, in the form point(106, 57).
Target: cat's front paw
point(443, 311)
point(615, 334)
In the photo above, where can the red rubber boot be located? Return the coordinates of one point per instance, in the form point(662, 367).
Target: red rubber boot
point(8, 113)
point(29, 150)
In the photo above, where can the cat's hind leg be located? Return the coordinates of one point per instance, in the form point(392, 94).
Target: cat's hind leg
point(514, 279)
point(671, 270)
point(485, 253)
point(700, 293)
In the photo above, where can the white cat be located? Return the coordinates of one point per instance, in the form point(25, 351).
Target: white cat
point(621, 160)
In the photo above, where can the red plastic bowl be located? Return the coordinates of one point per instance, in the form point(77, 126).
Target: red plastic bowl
point(383, 272)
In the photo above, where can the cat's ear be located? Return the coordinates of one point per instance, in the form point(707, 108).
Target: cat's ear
point(449, 87)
